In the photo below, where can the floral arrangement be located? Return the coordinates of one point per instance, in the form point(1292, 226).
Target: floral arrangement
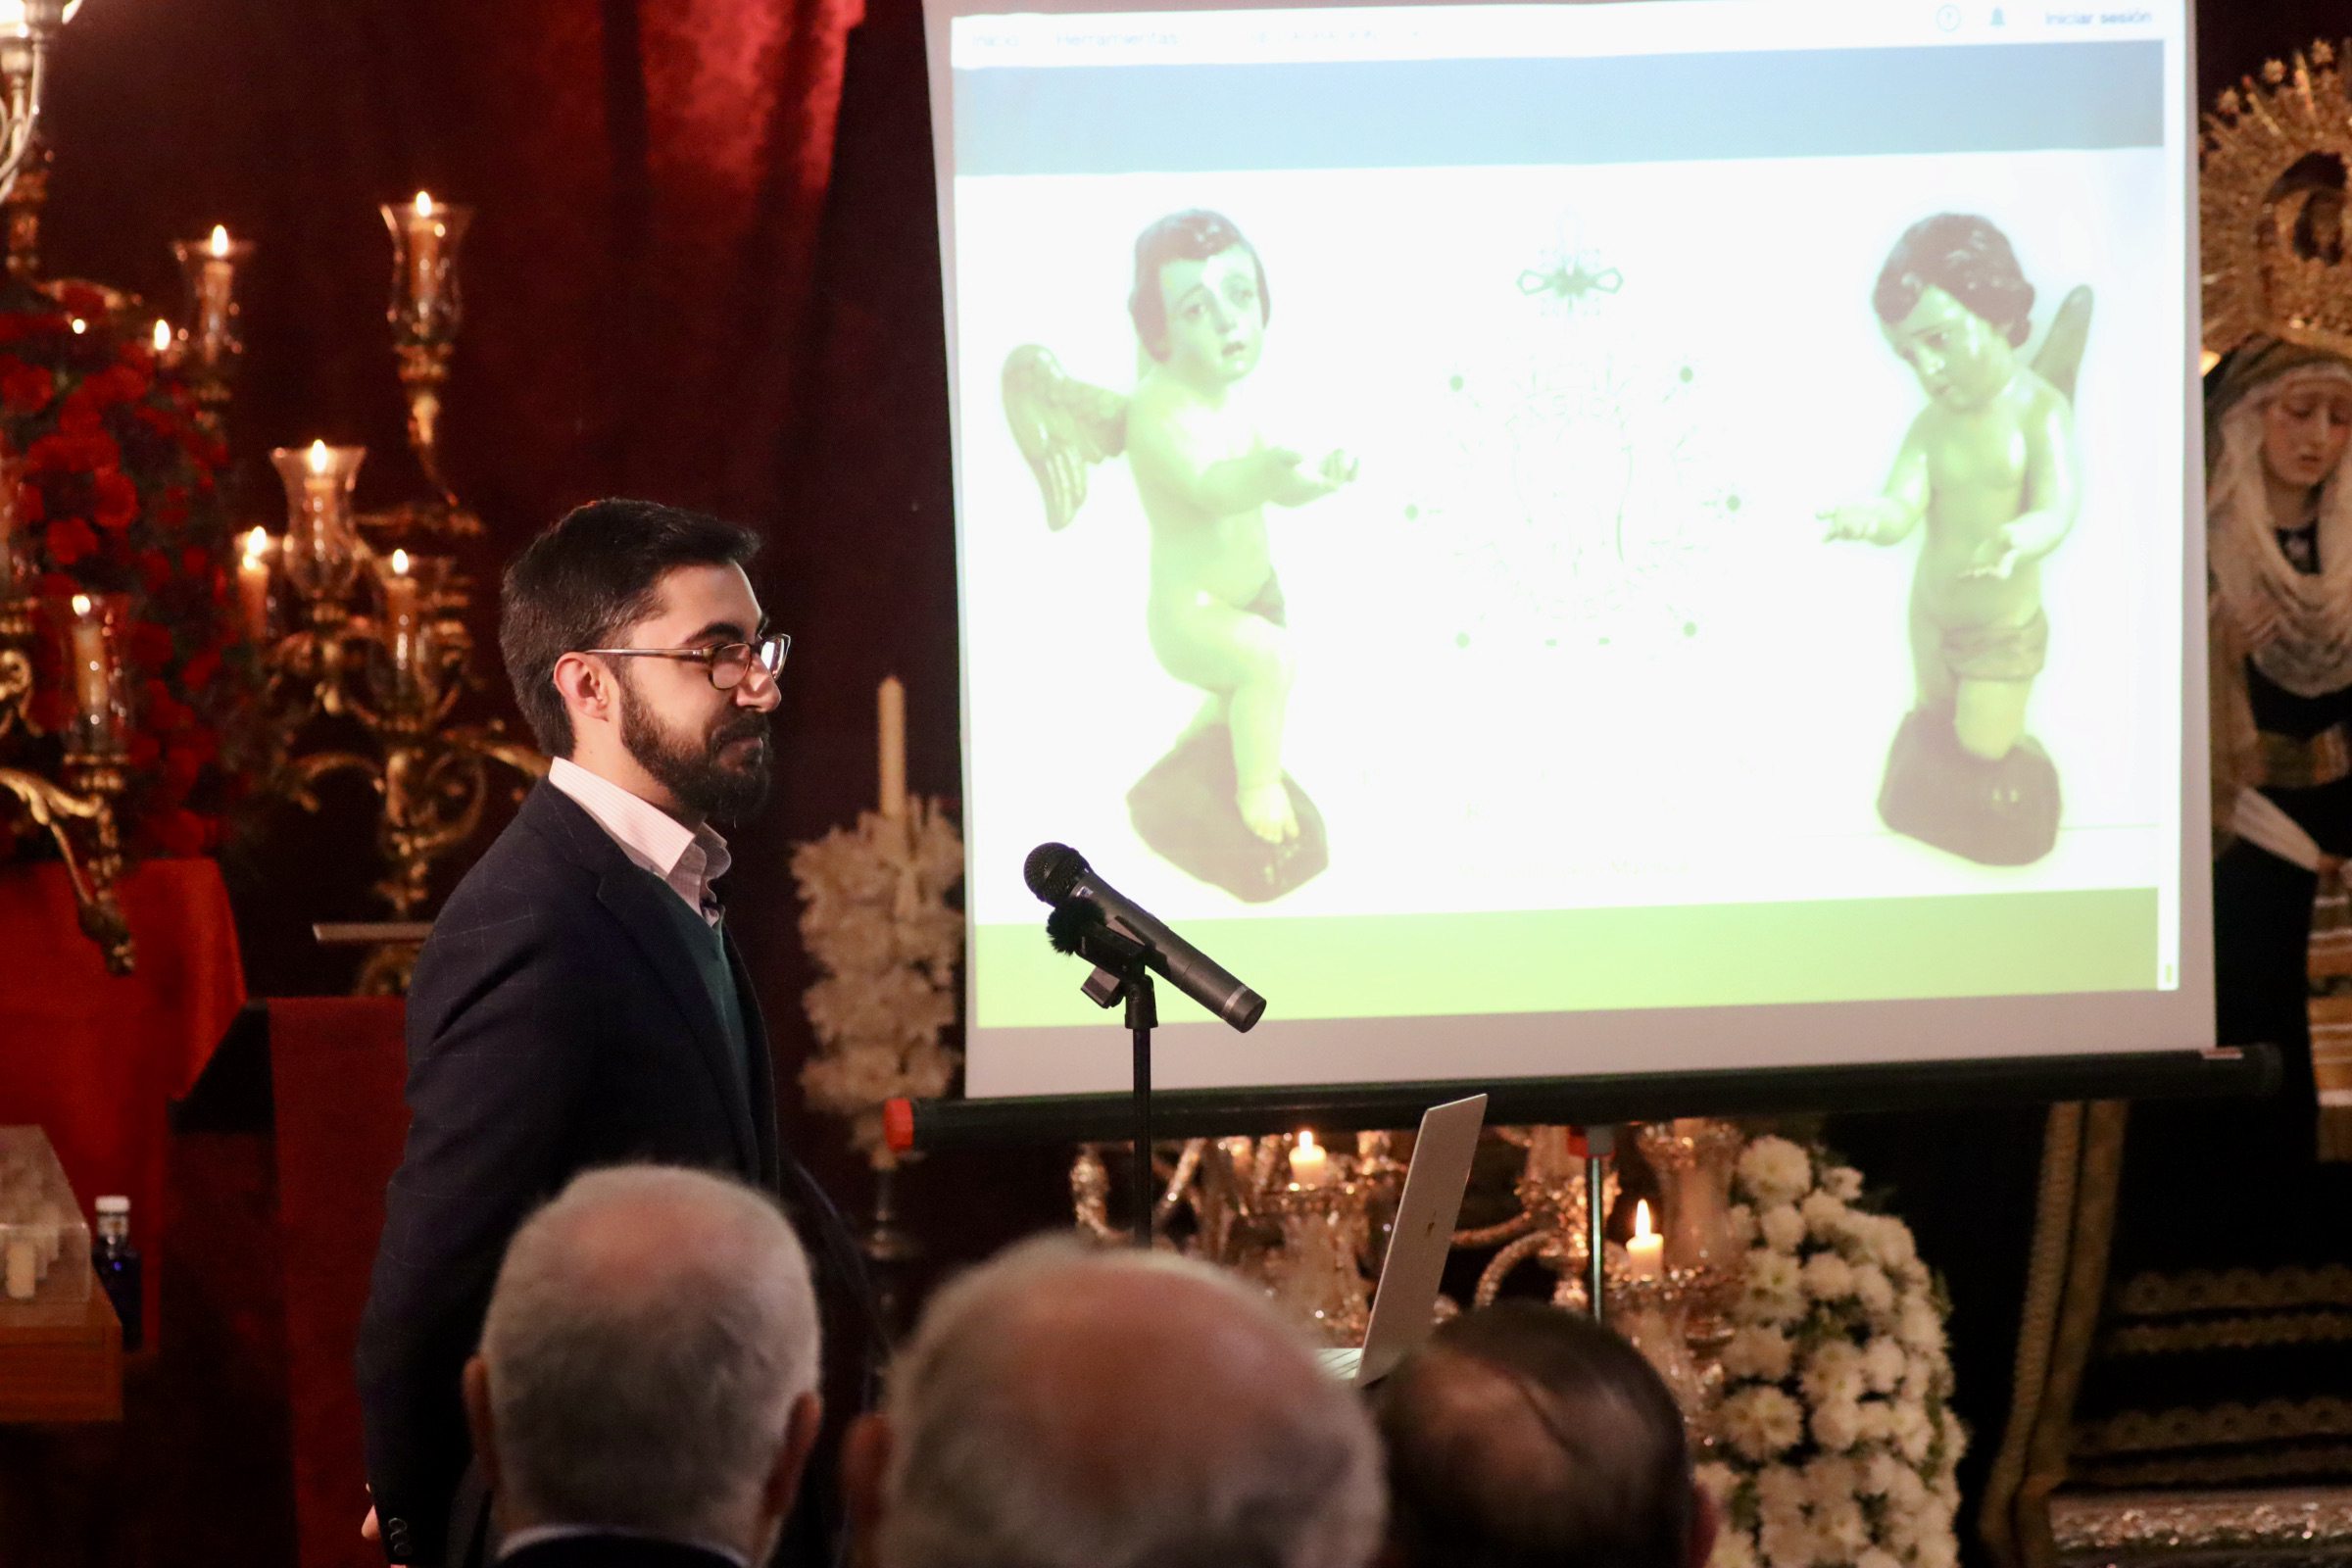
point(1839, 1445)
point(116, 494)
point(876, 919)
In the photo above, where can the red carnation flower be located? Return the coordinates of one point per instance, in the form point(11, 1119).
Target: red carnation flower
point(24, 388)
point(116, 499)
point(69, 540)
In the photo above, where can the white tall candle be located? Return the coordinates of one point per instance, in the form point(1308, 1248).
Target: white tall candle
point(1646, 1251)
point(252, 586)
point(91, 672)
point(1309, 1164)
point(891, 700)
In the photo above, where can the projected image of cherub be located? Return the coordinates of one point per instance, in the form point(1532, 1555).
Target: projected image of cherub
point(1219, 805)
point(1989, 466)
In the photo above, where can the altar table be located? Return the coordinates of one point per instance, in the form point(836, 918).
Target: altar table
point(94, 1058)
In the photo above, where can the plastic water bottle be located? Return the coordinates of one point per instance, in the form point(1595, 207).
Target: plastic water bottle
point(117, 1264)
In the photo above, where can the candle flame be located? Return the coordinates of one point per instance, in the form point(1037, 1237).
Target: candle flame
point(219, 239)
point(424, 205)
point(399, 562)
point(1641, 1230)
point(1306, 1142)
point(163, 335)
point(320, 461)
point(257, 545)
point(81, 603)
point(80, 326)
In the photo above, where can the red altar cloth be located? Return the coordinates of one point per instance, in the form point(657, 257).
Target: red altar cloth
point(92, 1056)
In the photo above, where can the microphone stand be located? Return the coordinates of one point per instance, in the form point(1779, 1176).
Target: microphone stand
point(1121, 976)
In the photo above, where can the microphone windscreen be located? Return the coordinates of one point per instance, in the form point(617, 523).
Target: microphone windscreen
point(1051, 870)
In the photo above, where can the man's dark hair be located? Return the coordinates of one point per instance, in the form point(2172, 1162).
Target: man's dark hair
point(1526, 1437)
point(596, 572)
point(1966, 258)
point(1192, 235)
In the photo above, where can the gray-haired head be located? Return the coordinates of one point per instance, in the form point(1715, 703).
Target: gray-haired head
point(649, 1334)
point(1062, 1407)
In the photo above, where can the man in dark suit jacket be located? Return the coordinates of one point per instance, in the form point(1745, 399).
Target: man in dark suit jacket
point(646, 1392)
point(579, 1002)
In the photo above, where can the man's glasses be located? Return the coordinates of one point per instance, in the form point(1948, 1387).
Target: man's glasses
point(728, 666)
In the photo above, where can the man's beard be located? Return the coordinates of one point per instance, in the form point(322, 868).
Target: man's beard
point(690, 768)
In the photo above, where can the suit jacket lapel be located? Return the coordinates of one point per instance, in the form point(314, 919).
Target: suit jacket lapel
point(631, 893)
point(762, 1070)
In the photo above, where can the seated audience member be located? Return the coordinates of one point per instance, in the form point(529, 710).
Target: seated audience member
point(1523, 1436)
point(646, 1392)
point(1062, 1407)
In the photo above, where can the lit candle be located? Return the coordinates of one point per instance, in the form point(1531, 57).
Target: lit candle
point(1308, 1163)
point(216, 293)
point(425, 232)
point(252, 586)
point(163, 337)
point(1647, 1249)
point(890, 698)
point(90, 674)
point(399, 613)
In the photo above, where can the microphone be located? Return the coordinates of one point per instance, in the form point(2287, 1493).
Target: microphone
point(1059, 876)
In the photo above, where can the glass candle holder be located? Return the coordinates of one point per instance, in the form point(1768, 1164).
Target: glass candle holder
point(89, 633)
point(425, 238)
point(214, 341)
point(408, 591)
point(322, 550)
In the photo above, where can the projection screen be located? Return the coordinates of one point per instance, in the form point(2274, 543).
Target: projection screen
point(1559, 539)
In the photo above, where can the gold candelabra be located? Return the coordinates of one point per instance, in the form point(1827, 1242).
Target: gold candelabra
point(374, 635)
point(77, 809)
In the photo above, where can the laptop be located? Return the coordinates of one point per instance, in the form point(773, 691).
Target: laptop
point(1406, 1298)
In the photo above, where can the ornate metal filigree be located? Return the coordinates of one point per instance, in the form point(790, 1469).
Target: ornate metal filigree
point(2273, 246)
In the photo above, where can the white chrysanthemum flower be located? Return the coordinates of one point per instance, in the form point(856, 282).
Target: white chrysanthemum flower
point(1912, 1434)
point(1774, 1288)
point(1781, 1489)
point(1842, 1522)
point(1936, 1549)
point(1872, 1558)
point(1717, 1480)
point(1775, 1170)
point(1741, 1223)
point(1884, 1364)
point(1909, 1493)
point(1825, 1216)
point(1786, 1543)
point(1918, 1327)
point(1838, 1425)
point(1874, 1290)
point(1842, 1181)
point(1834, 1371)
point(1879, 1473)
point(1763, 1423)
point(1877, 1420)
point(1831, 1479)
point(1830, 1278)
point(1758, 1351)
point(1894, 1244)
point(1737, 1549)
point(1782, 1227)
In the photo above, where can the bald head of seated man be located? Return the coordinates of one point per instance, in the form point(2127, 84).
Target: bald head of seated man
point(1068, 1407)
point(1525, 1437)
point(645, 1396)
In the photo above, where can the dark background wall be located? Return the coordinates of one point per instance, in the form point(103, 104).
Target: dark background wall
point(684, 284)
